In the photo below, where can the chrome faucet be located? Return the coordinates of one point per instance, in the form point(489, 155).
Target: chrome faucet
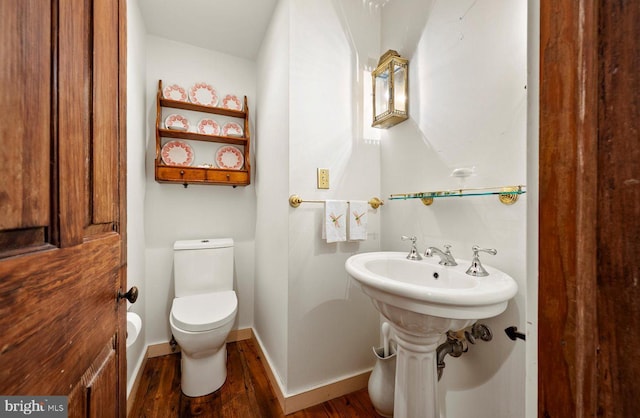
point(413, 254)
point(476, 269)
point(446, 258)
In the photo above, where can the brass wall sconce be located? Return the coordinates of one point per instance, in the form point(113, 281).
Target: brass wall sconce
point(390, 92)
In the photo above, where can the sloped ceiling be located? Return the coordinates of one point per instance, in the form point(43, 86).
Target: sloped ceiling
point(235, 27)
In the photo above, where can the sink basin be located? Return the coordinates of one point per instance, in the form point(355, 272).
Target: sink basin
point(423, 300)
point(428, 288)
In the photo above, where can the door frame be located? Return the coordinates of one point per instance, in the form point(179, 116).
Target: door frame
point(589, 236)
point(122, 187)
point(567, 179)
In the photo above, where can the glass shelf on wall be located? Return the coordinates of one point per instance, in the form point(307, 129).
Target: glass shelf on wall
point(507, 194)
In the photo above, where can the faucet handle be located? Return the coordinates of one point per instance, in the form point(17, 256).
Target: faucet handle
point(447, 249)
point(476, 269)
point(477, 249)
point(413, 254)
point(413, 238)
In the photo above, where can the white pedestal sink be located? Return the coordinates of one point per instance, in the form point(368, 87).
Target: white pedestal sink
point(423, 300)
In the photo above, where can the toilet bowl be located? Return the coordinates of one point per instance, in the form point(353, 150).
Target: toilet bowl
point(200, 324)
point(203, 312)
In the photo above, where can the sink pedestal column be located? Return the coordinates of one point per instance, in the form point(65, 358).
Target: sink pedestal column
point(416, 376)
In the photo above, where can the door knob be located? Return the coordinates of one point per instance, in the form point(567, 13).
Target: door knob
point(131, 295)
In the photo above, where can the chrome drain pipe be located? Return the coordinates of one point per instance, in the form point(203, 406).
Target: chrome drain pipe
point(456, 343)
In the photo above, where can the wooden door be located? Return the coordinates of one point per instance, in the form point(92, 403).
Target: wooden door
point(589, 360)
point(618, 231)
point(62, 202)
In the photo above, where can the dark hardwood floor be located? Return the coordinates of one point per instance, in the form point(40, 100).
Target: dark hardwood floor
point(246, 393)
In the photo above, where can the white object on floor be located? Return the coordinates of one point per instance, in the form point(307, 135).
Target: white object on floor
point(203, 311)
point(134, 326)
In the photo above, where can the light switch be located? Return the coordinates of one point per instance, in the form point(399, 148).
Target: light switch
point(323, 178)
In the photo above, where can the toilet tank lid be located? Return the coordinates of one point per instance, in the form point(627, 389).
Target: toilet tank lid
point(199, 244)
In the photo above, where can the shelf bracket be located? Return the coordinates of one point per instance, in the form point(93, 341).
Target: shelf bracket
point(509, 198)
point(427, 201)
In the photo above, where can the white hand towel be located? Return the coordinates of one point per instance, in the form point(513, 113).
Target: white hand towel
point(335, 220)
point(358, 213)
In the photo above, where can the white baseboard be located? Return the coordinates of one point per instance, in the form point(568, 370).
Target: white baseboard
point(326, 393)
point(133, 390)
point(293, 403)
point(276, 385)
point(240, 334)
point(162, 349)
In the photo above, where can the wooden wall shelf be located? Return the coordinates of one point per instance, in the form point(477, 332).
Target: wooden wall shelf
point(201, 175)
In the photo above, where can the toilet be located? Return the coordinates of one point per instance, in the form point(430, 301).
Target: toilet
point(203, 311)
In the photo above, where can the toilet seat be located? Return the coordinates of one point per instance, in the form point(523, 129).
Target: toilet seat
point(205, 311)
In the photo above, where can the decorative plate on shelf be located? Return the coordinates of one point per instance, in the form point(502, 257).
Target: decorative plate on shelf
point(232, 129)
point(231, 102)
point(176, 122)
point(177, 153)
point(175, 92)
point(208, 127)
point(203, 94)
point(229, 157)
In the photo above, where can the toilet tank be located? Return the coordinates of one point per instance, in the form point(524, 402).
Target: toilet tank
point(202, 266)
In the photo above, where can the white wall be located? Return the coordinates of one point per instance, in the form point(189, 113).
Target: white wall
point(533, 143)
point(173, 212)
point(314, 327)
point(272, 190)
point(331, 326)
point(468, 108)
point(136, 146)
